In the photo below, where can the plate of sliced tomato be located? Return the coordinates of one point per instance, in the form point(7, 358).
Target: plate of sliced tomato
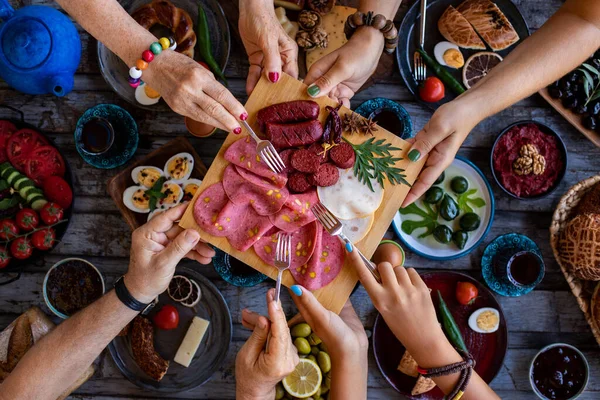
point(26, 234)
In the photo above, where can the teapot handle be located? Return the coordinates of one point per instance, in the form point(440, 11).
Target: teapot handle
point(6, 11)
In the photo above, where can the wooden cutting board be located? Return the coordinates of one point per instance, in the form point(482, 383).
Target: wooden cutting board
point(334, 295)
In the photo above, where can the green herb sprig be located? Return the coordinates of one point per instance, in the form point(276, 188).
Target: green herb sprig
point(374, 160)
point(591, 89)
point(155, 194)
point(466, 200)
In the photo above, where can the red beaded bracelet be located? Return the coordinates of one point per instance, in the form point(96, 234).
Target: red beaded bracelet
point(135, 73)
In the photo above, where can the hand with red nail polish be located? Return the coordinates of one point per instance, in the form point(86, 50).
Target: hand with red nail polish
point(270, 50)
point(257, 369)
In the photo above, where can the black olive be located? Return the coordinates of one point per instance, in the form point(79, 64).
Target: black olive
point(555, 92)
point(556, 84)
point(581, 108)
point(567, 93)
point(572, 77)
point(594, 108)
point(590, 122)
point(565, 84)
point(570, 102)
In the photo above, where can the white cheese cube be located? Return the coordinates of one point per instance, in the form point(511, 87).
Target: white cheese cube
point(191, 341)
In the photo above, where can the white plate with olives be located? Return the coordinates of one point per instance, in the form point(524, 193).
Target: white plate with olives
point(452, 218)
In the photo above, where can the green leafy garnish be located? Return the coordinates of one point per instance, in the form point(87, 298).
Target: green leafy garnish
point(592, 91)
point(154, 193)
point(374, 160)
point(429, 221)
point(465, 201)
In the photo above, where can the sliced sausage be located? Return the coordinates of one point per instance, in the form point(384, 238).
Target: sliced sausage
point(291, 111)
point(298, 183)
point(343, 155)
point(286, 156)
point(305, 160)
point(318, 149)
point(293, 135)
point(326, 175)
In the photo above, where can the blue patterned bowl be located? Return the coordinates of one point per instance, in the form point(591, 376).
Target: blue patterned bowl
point(126, 136)
point(371, 108)
point(508, 243)
point(237, 274)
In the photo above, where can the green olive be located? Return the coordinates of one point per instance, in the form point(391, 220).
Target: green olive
point(459, 184)
point(314, 350)
point(442, 234)
point(433, 195)
point(324, 389)
point(323, 347)
point(460, 238)
point(440, 178)
point(311, 357)
point(328, 380)
point(279, 391)
point(302, 345)
point(324, 362)
point(301, 330)
point(469, 222)
point(313, 339)
point(448, 208)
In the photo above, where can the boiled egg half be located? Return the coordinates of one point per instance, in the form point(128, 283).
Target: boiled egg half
point(179, 167)
point(173, 194)
point(189, 188)
point(145, 95)
point(135, 198)
point(485, 320)
point(448, 54)
point(146, 175)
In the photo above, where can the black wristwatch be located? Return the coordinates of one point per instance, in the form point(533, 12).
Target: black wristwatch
point(127, 299)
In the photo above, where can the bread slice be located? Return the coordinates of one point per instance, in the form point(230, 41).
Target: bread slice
point(408, 365)
point(142, 348)
point(490, 23)
point(423, 385)
point(456, 29)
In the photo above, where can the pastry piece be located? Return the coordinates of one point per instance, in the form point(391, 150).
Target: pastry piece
point(490, 23)
point(590, 203)
point(142, 348)
point(456, 29)
point(423, 385)
point(579, 247)
point(408, 365)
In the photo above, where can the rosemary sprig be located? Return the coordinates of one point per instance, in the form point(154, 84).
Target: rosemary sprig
point(374, 160)
point(591, 89)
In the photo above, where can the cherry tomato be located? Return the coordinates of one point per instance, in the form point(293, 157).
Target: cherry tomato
point(4, 258)
point(8, 229)
point(166, 318)
point(466, 293)
point(21, 248)
point(43, 239)
point(51, 213)
point(58, 190)
point(432, 90)
point(27, 219)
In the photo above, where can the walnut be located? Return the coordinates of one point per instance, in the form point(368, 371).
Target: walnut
point(308, 20)
point(539, 164)
point(523, 166)
point(309, 40)
point(531, 161)
point(528, 150)
point(321, 6)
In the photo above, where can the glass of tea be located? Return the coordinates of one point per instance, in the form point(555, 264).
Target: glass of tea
point(96, 136)
point(523, 269)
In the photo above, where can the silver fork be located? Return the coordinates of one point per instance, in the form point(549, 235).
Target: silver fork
point(335, 228)
point(266, 151)
point(419, 67)
point(283, 258)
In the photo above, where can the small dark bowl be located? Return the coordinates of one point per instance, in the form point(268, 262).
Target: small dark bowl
point(239, 274)
point(372, 108)
point(547, 130)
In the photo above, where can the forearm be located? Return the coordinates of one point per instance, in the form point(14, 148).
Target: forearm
point(110, 24)
point(58, 359)
point(349, 375)
point(559, 46)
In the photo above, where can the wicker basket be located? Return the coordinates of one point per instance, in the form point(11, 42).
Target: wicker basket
point(582, 290)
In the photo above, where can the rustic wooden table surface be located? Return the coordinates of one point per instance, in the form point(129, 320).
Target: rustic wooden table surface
point(547, 315)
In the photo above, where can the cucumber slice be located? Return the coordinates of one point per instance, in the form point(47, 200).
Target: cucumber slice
point(23, 182)
point(5, 167)
point(14, 175)
point(34, 194)
point(38, 204)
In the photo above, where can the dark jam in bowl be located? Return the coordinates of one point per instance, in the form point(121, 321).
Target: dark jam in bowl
point(559, 373)
point(73, 286)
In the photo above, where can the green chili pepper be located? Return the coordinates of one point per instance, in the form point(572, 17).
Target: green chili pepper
point(441, 72)
point(203, 44)
point(450, 326)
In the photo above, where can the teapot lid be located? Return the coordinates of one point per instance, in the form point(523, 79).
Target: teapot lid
point(26, 42)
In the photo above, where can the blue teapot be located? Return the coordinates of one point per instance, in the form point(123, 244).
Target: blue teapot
point(39, 49)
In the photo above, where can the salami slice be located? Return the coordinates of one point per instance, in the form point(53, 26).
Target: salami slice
point(216, 214)
point(296, 212)
point(255, 179)
point(243, 153)
point(251, 230)
point(264, 200)
point(303, 246)
point(324, 265)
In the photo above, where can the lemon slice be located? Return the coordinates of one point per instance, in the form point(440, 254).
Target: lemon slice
point(305, 380)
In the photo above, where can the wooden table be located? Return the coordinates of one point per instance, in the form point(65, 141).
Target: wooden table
point(547, 315)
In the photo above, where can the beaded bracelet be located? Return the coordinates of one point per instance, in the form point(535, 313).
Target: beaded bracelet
point(135, 73)
point(465, 368)
point(379, 22)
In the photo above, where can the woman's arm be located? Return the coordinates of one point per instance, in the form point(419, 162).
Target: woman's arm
point(188, 88)
point(567, 39)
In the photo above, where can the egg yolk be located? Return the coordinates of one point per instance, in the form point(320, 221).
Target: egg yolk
point(189, 191)
point(172, 192)
point(454, 58)
point(487, 320)
point(151, 93)
point(148, 176)
point(140, 199)
point(178, 167)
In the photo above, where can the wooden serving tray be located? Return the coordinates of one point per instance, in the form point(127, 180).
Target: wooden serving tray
point(574, 119)
point(117, 184)
point(334, 295)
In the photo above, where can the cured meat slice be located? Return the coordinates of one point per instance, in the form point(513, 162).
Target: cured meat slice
point(291, 111)
point(296, 212)
point(318, 149)
point(215, 213)
point(294, 135)
point(343, 155)
point(298, 182)
point(327, 175)
point(264, 200)
point(303, 245)
point(305, 160)
point(243, 153)
point(250, 230)
point(286, 155)
point(324, 265)
point(490, 22)
point(255, 179)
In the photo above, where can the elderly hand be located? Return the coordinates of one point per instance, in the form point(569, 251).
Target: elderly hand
point(341, 73)
point(258, 370)
point(156, 249)
point(192, 91)
point(270, 49)
point(440, 138)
